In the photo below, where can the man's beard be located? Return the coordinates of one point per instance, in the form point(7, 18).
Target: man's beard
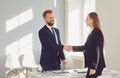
point(50, 24)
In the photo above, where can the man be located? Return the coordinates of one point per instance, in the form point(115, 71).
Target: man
point(52, 50)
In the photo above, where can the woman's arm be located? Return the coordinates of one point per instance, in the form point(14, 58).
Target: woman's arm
point(78, 48)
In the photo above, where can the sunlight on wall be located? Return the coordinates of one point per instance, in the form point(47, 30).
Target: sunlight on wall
point(24, 44)
point(13, 47)
point(19, 20)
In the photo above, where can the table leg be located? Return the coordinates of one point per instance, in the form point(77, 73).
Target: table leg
point(27, 72)
point(9, 73)
point(17, 73)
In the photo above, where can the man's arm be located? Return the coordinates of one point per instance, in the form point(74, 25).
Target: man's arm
point(61, 53)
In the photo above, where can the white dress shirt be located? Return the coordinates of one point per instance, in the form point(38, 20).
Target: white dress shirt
point(91, 30)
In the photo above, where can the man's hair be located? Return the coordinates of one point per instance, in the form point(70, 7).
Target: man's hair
point(47, 12)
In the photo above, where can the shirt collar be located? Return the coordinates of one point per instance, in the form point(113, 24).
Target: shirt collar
point(49, 27)
point(91, 30)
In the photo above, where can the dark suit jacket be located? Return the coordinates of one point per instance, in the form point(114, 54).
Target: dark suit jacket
point(51, 52)
point(93, 50)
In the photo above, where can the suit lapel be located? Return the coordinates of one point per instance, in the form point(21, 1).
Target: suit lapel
point(89, 37)
point(49, 33)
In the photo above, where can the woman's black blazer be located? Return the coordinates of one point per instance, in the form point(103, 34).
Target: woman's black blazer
point(93, 50)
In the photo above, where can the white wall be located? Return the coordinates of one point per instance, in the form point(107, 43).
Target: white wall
point(10, 9)
point(109, 12)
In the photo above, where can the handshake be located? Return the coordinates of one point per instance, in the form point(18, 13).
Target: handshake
point(68, 48)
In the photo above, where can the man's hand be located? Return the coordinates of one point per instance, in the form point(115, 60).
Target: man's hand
point(68, 47)
point(64, 62)
point(92, 71)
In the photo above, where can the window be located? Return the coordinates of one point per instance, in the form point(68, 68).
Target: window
point(89, 6)
point(76, 29)
point(74, 26)
point(76, 12)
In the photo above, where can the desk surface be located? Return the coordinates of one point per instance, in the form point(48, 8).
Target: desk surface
point(75, 73)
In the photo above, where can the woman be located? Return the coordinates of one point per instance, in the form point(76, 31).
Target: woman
point(93, 48)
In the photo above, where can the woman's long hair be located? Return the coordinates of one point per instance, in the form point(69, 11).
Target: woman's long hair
point(96, 22)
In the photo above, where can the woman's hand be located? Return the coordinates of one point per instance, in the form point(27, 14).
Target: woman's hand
point(92, 71)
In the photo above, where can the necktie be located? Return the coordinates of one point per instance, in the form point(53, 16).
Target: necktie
point(54, 36)
point(53, 33)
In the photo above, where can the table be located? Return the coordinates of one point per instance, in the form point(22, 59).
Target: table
point(74, 73)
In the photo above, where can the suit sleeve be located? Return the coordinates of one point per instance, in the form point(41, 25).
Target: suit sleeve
point(98, 39)
point(45, 41)
point(78, 48)
point(61, 53)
